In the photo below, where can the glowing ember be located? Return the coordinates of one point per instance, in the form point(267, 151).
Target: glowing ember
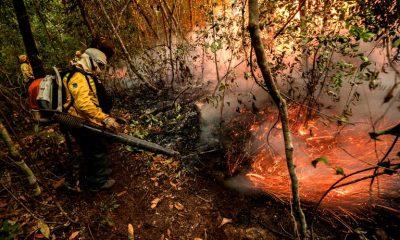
point(346, 148)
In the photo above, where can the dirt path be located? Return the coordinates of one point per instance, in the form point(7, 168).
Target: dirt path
point(164, 201)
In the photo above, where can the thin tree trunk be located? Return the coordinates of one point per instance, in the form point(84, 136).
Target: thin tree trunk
point(269, 81)
point(325, 12)
point(125, 51)
point(174, 20)
point(43, 20)
point(81, 6)
point(27, 36)
point(303, 31)
point(215, 52)
point(16, 156)
point(146, 18)
point(191, 14)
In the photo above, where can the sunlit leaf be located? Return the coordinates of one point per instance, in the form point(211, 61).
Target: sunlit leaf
point(44, 228)
point(73, 235)
point(396, 43)
point(366, 36)
point(131, 233)
point(247, 75)
point(364, 58)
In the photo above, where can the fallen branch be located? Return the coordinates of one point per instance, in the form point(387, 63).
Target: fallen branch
point(16, 156)
point(21, 203)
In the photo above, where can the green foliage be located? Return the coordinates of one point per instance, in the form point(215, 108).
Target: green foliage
point(379, 16)
point(337, 80)
point(9, 230)
point(361, 33)
point(216, 45)
point(109, 205)
point(325, 160)
point(58, 34)
point(340, 171)
point(322, 159)
point(396, 43)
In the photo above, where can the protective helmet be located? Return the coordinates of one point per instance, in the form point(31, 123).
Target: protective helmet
point(22, 58)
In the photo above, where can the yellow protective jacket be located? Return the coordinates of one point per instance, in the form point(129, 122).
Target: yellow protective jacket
point(85, 103)
point(27, 72)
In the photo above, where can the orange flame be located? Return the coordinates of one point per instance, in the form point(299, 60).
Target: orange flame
point(346, 148)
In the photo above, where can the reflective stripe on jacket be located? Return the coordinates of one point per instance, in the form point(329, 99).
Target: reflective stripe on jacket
point(84, 98)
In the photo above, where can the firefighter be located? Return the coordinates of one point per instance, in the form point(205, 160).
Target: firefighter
point(86, 98)
point(26, 69)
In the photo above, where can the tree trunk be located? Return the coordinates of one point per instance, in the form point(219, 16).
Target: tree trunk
point(174, 20)
point(191, 13)
point(254, 30)
point(81, 6)
point(143, 13)
point(52, 40)
point(303, 32)
point(16, 156)
point(29, 41)
point(214, 35)
point(124, 50)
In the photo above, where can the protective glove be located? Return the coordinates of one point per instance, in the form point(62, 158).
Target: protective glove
point(111, 123)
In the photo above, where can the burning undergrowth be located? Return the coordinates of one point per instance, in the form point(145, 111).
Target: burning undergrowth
point(326, 150)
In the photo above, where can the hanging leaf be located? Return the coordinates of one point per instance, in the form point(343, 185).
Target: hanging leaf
point(340, 171)
point(396, 43)
point(44, 228)
point(395, 131)
point(364, 58)
point(247, 75)
point(322, 159)
point(215, 46)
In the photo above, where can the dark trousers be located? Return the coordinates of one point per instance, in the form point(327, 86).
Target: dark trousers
point(93, 163)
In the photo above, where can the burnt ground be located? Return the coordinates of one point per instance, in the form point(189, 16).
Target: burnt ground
point(163, 198)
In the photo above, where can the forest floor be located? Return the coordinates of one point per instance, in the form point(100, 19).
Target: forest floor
point(163, 198)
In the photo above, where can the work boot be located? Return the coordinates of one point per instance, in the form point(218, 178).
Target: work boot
point(106, 185)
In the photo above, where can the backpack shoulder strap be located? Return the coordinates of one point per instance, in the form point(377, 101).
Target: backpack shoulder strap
point(87, 75)
point(71, 73)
